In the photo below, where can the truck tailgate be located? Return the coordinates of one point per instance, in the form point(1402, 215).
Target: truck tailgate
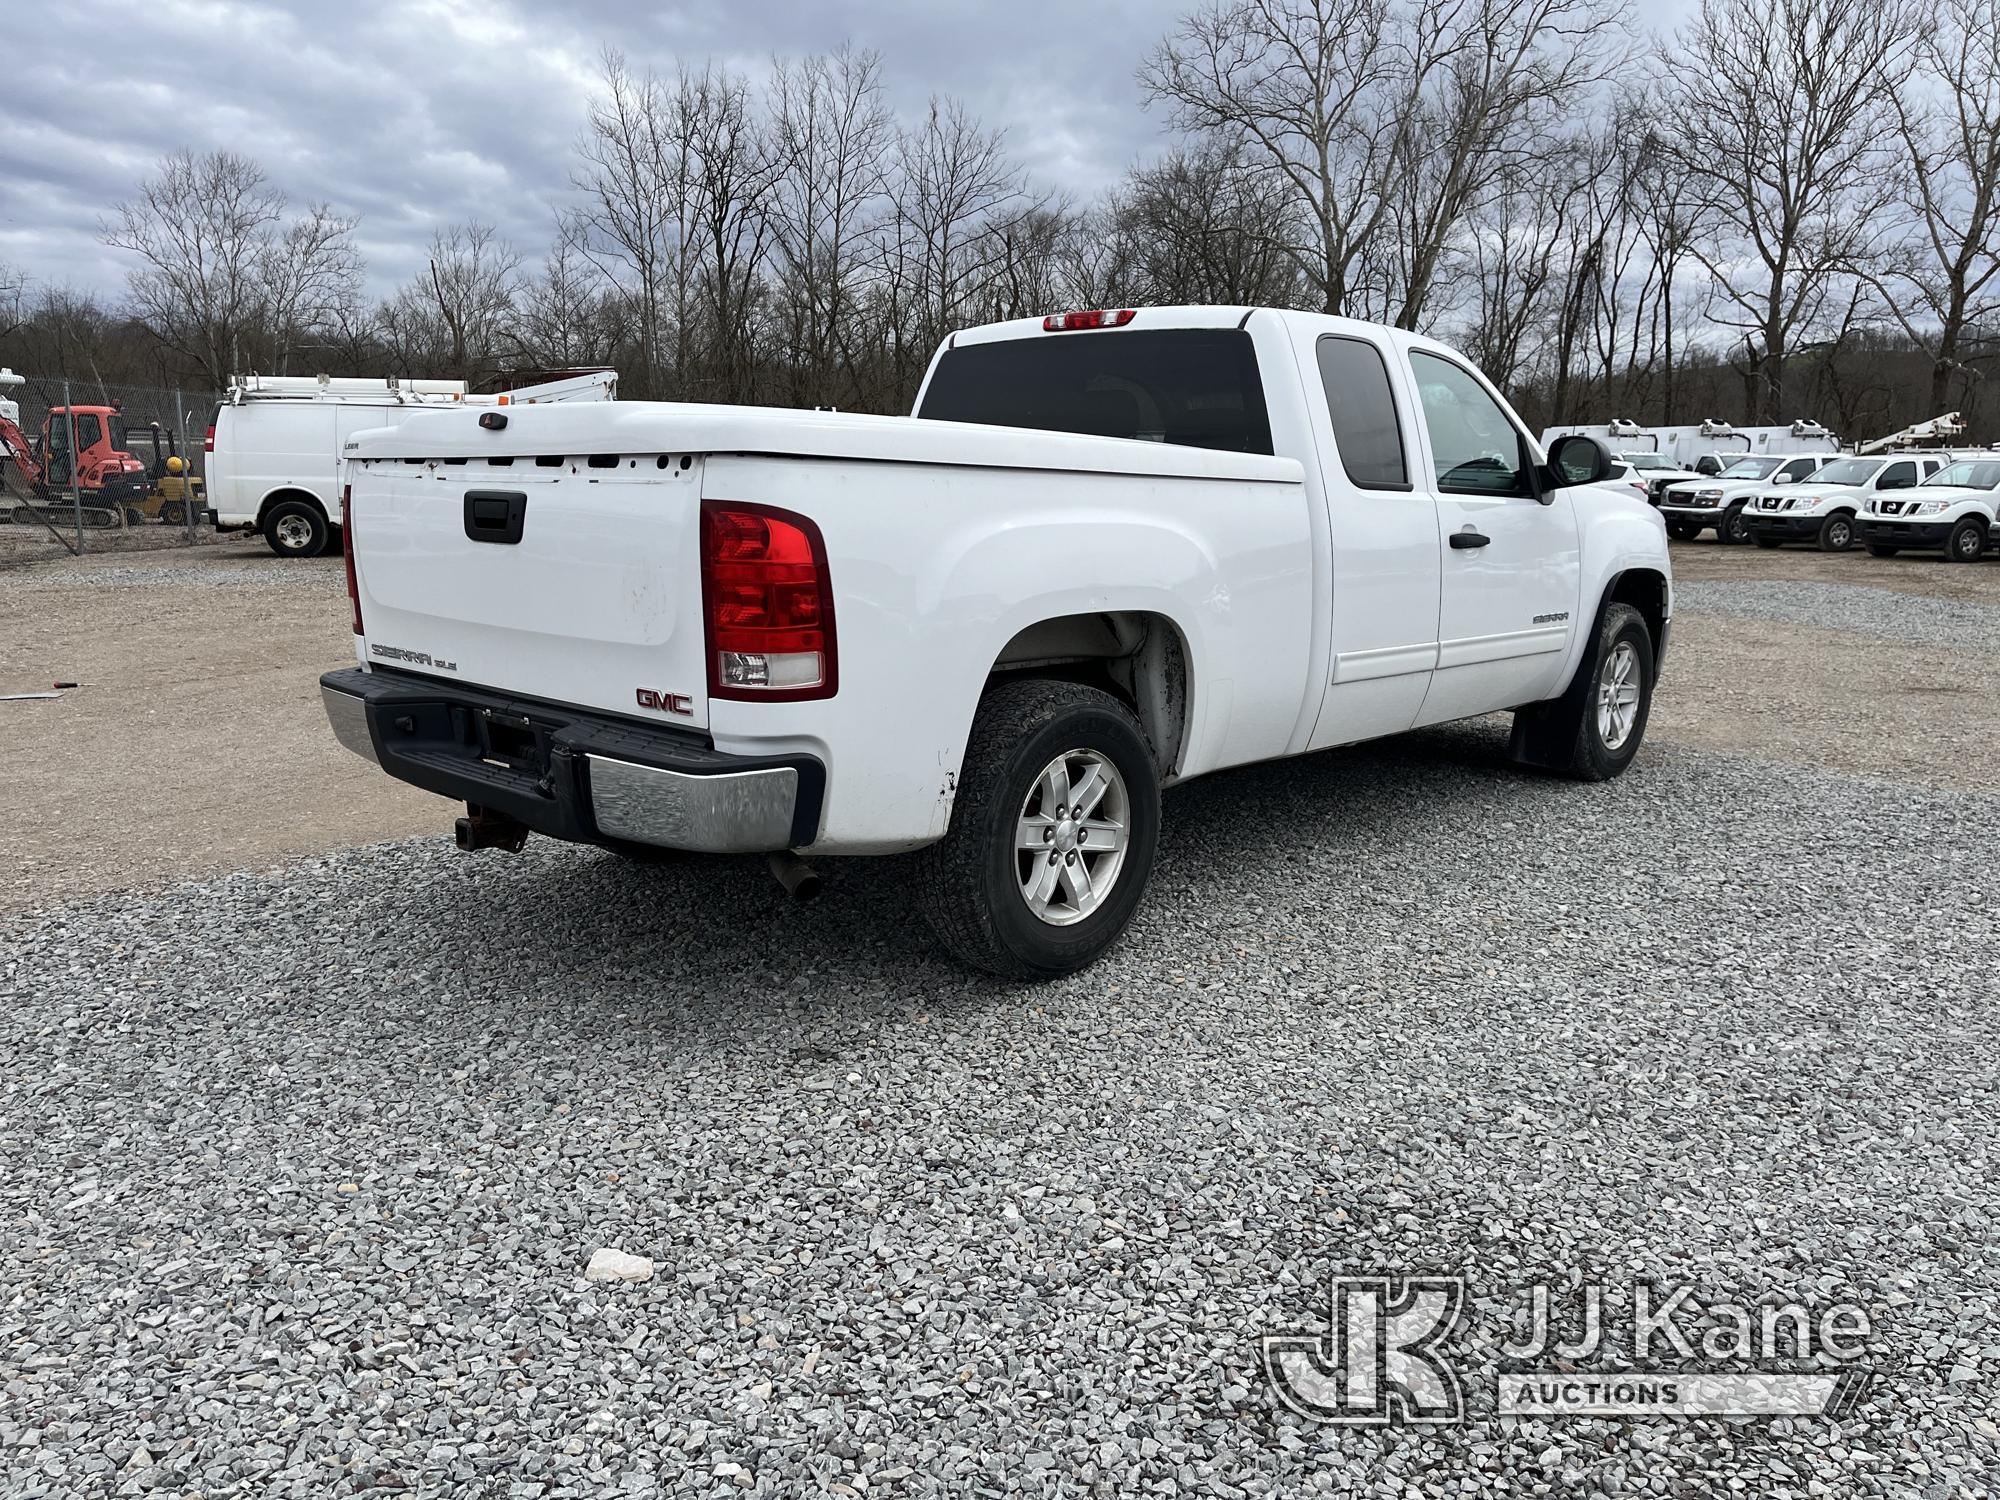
point(575, 580)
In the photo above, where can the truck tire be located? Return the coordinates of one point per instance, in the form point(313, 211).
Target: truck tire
point(1967, 542)
point(1836, 532)
point(1882, 549)
point(1595, 728)
point(295, 528)
point(1768, 543)
point(1730, 530)
point(998, 902)
point(1683, 531)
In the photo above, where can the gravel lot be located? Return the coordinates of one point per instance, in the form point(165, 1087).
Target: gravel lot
point(306, 1165)
point(1884, 612)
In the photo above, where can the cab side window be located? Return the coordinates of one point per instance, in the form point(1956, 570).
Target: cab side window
point(1362, 408)
point(1478, 451)
point(1897, 477)
point(1798, 468)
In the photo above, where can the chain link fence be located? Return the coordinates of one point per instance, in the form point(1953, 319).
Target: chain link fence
point(51, 506)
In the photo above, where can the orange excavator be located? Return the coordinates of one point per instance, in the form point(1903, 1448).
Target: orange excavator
point(110, 484)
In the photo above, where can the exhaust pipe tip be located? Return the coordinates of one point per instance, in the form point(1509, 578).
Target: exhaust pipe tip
point(800, 880)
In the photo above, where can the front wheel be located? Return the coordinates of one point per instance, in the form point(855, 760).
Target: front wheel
point(1731, 530)
point(1967, 542)
point(1836, 533)
point(296, 529)
point(1052, 832)
point(1595, 728)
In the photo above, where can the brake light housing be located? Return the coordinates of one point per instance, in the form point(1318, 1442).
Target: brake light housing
point(766, 605)
point(208, 442)
point(347, 551)
point(1086, 318)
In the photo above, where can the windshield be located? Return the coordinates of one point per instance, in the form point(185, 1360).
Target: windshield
point(1197, 387)
point(1974, 474)
point(1848, 471)
point(1646, 460)
point(1750, 468)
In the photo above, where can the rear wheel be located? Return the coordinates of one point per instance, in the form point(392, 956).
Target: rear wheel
point(1731, 530)
point(1683, 531)
point(1967, 542)
point(1882, 549)
point(295, 528)
point(1052, 832)
point(1595, 728)
point(1767, 542)
point(1836, 533)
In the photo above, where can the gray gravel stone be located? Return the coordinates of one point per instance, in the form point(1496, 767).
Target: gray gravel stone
point(301, 1167)
point(1919, 619)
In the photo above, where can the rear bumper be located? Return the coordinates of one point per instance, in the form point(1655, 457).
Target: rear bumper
point(1903, 533)
point(573, 774)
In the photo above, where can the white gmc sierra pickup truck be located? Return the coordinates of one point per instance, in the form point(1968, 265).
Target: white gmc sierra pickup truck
point(1111, 552)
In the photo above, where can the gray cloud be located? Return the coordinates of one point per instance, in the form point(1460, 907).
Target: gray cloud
point(417, 114)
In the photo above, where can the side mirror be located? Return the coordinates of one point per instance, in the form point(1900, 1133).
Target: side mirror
point(1578, 458)
point(1786, 479)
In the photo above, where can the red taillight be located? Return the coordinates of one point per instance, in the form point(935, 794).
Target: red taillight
point(1093, 317)
point(767, 604)
point(347, 550)
point(208, 443)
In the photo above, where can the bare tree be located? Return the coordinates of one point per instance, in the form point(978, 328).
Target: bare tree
point(13, 300)
point(1320, 95)
point(832, 133)
point(1206, 230)
point(454, 317)
point(561, 318)
point(1784, 125)
point(1493, 77)
point(1946, 287)
point(311, 276)
point(631, 180)
point(217, 258)
point(954, 186)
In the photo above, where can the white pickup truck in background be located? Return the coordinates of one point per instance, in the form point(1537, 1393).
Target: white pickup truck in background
point(1113, 551)
point(1823, 509)
point(1954, 512)
point(1693, 506)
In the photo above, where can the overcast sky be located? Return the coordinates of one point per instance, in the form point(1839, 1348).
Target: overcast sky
point(414, 113)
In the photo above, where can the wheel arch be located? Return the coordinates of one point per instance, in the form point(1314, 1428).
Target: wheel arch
point(286, 492)
point(1141, 657)
point(1647, 590)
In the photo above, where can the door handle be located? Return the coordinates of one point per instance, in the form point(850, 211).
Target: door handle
point(495, 515)
point(1462, 540)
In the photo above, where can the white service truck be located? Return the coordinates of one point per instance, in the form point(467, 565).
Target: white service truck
point(1693, 506)
point(273, 450)
point(1823, 509)
point(1113, 551)
point(1955, 511)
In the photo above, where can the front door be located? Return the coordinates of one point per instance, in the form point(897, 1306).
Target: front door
point(1512, 563)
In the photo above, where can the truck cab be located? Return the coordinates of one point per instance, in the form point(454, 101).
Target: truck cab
point(1824, 509)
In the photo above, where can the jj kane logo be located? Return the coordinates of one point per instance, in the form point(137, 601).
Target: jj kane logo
point(1382, 1357)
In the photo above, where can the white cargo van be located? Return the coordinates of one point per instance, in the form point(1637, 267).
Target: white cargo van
point(274, 447)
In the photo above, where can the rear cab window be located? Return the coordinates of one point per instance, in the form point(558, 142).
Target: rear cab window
point(1192, 387)
point(1362, 407)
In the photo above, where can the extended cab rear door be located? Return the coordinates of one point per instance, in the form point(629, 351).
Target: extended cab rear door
point(1512, 562)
